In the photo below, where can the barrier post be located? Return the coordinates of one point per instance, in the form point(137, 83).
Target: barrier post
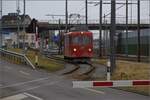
point(108, 70)
point(36, 46)
point(36, 58)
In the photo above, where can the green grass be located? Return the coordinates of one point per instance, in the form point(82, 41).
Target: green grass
point(60, 56)
point(43, 62)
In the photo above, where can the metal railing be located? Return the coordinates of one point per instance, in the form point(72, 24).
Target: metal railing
point(17, 57)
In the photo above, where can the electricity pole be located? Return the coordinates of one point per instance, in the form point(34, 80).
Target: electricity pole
point(1, 24)
point(60, 42)
point(66, 14)
point(100, 28)
point(126, 46)
point(138, 30)
point(24, 2)
point(86, 14)
point(112, 34)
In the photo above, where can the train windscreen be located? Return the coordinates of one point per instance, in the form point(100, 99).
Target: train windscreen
point(81, 40)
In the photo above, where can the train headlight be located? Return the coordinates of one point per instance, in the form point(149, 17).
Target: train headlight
point(90, 49)
point(74, 49)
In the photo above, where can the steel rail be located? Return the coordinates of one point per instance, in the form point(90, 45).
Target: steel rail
point(77, 66)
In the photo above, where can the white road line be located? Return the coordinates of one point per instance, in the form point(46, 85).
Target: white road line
point(35, 87)
point(15, 97)
point(22, 83)
point(8, 67)
point(96, 91)
point(25, 73)
point(35, 97)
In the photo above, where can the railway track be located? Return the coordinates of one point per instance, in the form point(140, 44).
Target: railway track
point(90, 70)
point(78, 71)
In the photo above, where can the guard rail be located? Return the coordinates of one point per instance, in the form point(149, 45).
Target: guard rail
point(21, 58)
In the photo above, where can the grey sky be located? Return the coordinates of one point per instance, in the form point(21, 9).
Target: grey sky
point(38, 9)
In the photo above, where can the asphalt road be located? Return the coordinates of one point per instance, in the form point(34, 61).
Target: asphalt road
point(19, 82)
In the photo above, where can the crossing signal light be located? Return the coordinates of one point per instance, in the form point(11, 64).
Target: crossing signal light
point(32, 27)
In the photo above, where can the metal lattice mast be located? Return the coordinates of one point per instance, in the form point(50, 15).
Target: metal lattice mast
point(18, 21)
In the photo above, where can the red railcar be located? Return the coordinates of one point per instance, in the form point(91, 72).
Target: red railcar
point(78, 45)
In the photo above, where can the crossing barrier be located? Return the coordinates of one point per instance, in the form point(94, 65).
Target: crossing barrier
point(118, 83)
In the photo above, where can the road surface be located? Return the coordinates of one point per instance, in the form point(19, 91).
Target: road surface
point(18, 82)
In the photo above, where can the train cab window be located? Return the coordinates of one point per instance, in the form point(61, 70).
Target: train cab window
point(86, 40)
point(77, 40)
point(81, 40)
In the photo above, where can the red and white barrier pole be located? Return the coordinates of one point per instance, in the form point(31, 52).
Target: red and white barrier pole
point(118, 83)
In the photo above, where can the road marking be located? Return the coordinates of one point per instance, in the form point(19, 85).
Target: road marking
point(36, 87)
point(22, 83)
point(25, 73)
point(96, 91)
point(8, 67)
point(15, 97)
point(1, 85)
point(35, 97)
point(21, 96)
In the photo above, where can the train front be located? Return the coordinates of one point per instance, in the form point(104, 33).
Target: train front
point(81, 45)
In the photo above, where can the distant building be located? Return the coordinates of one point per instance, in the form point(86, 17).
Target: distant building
point(29, 40)
point(9, 40)
point(12, 19)
point(10, 35)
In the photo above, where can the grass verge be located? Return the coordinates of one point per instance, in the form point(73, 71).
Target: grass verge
point(44, 62)
point(127, 70)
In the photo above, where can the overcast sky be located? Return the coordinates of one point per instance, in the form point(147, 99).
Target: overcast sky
point(39, 9)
